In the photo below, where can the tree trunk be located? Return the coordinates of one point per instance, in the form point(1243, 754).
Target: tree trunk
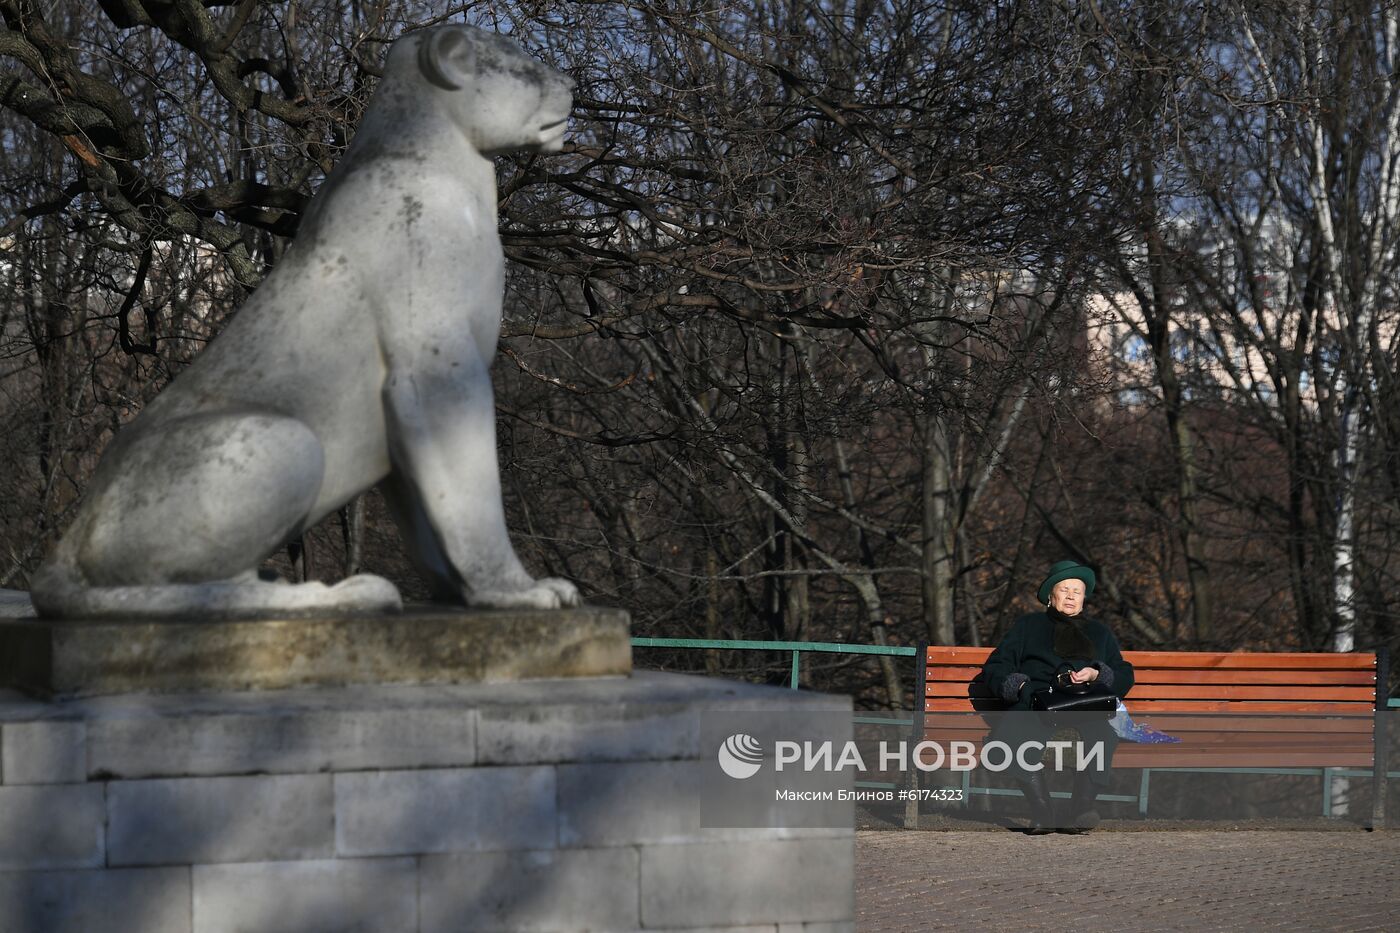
point(1156, 309)
point(1343, 554)
point(938, 532)
point(352, 530)
point(712, 629)
point(866, 588)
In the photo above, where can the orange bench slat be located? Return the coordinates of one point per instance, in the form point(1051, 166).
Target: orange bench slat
point(1141, 692)
point(1191, 660)
point(1176, 756)
point(1167, 756)
point(1330, 678)
point(952, 704)
point(1244, 660)
point(1255, 676)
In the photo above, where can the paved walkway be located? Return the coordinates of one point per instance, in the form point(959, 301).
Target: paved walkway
point(1117, 882)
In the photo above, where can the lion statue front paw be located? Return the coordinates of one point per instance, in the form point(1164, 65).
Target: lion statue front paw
point(545, 593)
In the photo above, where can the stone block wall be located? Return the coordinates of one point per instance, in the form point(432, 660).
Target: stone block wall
point(556, 805)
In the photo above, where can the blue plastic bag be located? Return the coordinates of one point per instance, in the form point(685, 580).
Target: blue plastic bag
point(1136, 731)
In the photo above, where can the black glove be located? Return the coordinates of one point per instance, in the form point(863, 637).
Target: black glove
point(1011, 686)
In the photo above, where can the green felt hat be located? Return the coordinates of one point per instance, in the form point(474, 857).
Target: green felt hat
point(1068, 570)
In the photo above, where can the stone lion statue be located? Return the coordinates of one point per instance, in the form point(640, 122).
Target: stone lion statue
point(362, 360)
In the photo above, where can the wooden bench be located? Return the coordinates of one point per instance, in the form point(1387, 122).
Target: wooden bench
point(1266, 712)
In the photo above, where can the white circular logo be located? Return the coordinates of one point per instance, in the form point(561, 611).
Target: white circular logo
point(740, 756)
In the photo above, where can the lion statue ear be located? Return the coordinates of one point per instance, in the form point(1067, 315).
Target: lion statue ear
point(446, 58)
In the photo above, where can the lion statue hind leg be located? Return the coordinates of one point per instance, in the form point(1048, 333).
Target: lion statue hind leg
point(181, 513)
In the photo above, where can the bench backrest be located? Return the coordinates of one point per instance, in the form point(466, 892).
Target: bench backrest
point(1199, 681)
point(1287, 709)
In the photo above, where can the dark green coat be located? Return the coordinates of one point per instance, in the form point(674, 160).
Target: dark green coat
point(1028, 649)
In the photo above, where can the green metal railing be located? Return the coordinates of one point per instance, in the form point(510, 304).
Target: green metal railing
point(798, 648)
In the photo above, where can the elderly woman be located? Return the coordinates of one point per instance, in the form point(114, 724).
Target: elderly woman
point(1039, 648)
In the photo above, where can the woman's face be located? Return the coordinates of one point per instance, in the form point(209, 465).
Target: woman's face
point(1068, 597)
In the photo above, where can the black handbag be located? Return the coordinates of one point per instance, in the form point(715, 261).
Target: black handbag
point(1069, 697)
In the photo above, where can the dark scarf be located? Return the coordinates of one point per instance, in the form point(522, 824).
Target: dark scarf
point(1071, 638)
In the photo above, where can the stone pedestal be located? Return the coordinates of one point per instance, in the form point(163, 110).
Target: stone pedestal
point(563, 804)
point(71, 658)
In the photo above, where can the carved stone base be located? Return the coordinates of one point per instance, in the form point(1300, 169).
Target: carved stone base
point(419, 646)
point(551, 807)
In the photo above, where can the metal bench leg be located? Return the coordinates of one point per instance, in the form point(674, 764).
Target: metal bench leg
point(1380, 742)
point(1142, 792)
point(911, 804)
point(1380, 764)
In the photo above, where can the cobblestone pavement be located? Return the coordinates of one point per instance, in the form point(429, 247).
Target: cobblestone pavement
point(1127, 881)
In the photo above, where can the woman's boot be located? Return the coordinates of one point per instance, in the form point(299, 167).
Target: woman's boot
point(1038, 796)
point(1082, 813)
